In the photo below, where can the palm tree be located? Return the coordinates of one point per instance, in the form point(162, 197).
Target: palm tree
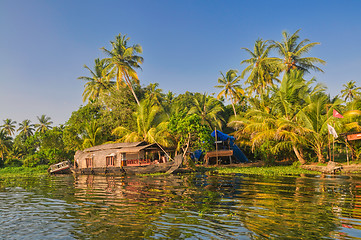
point(125, 61)
point(350, 91)
point(291, 52)
point(209, 109)
point(5, 143)
point(153, 93)
point(44, 124)
point(289, 98)
point(314, 117)
point(99, 83)
point(229, 86)
point(92, 135)
point(9, 126)
point(279, 127)
point(26, 128)
point(263, 69)
point(149, 119)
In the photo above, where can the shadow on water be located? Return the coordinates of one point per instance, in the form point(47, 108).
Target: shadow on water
point(180, 207)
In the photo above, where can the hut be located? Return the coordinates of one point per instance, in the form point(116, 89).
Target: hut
point(112, 157)
point(227, 152)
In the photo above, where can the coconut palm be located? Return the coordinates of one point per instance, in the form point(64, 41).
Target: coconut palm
point(279, 126)
point(100, 81)
point(92, 135)
point(229, 86)
point(350, 91)
point(279, 133)
point(209, 109)
point(26, 128)
point(314, 117)
point(9, 126)
point(125, 61)
point(262, 69)
point(149, 119)
point(44, 124)
point(153, 93)
point(292, 53)
point(5, 143)
point(289, 97)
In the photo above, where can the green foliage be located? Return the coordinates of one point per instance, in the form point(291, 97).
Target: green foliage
point(189, 132)
point(276, 121)
point(44, 124)
point(99, 84)
point(92, 135)
point(292, 51)
point(263, 70)
point(75, 127)
point(230, 87)
point(13, 162)
point(266, 171)
point(209, 109)
point(123, 60)
point(23, 171)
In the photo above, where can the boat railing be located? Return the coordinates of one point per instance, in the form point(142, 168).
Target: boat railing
point(138, 162)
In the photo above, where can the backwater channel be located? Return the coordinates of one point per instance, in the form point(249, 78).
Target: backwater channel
point(197, 206)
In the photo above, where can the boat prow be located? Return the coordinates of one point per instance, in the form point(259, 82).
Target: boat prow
point(60, 168)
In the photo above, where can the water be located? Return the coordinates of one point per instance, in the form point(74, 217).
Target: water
point(180, 207)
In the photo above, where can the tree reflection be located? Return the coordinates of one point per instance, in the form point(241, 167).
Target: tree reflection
point(204, 206)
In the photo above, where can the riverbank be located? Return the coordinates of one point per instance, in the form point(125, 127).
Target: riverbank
point(256, 168)
point(23, 171)
point(334, 167)
point(265, 171)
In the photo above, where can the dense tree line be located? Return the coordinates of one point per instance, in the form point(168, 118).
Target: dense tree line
point(274, 108)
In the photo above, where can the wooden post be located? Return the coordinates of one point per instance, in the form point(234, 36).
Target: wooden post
point(229, 148)
point(215, 133)
point(333, 143)
point(348, 163)
point(329, 154)
point(333, 148)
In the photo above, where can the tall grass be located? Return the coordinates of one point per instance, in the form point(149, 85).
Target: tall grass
point(23, 171)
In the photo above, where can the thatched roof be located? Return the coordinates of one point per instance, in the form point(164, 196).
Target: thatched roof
point(137, 149)
point(114, 146)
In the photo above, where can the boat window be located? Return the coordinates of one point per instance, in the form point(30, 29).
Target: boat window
point(110, 160)
point(89, 162)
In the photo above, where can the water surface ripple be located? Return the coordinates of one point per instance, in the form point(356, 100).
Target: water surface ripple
point(180, 207)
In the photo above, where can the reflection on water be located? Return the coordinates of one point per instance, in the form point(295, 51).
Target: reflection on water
point(180, 207)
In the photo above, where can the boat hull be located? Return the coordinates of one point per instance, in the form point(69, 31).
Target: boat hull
point(147, 169)
point(168, 167)
point(60, 168)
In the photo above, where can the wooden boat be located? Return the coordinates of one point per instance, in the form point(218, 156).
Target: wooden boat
point(129, 158)
point(60, 168)
point(167, 167)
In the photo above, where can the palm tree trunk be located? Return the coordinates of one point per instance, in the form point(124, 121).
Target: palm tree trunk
point(319, 154)
point(234, 109)
point(131, 88)
point(299, 155)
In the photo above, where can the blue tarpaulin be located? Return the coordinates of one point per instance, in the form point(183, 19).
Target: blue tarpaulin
point(236, 151)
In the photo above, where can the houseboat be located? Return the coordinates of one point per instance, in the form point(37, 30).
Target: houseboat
point(129, 158)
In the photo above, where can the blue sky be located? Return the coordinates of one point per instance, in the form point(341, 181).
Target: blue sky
point(44, 44)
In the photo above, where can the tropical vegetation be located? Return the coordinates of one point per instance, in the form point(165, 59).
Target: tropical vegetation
point(274, 108)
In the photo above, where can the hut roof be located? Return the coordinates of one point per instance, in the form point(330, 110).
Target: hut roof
point(114, 146)
point(136, 149)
